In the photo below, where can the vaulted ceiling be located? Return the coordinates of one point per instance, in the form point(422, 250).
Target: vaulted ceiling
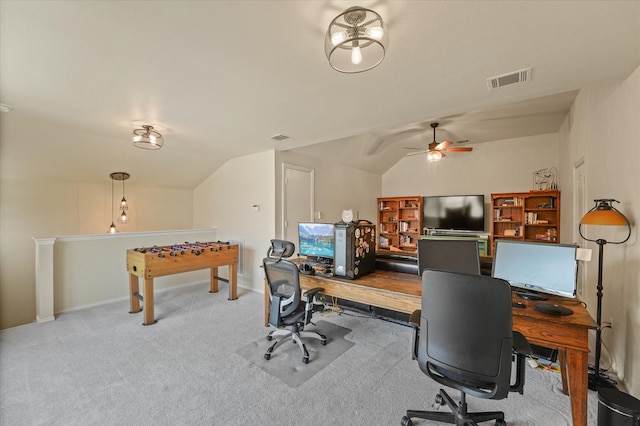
point(219, 78)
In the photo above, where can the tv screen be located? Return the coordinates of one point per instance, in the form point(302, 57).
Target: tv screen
point(316, 240)
point(454, 212)
point(537, 267)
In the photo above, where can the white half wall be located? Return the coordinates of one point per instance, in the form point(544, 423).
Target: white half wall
point(88, 270)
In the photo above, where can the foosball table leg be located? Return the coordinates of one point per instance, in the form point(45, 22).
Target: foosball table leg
point(233, 281)
point(213, 286)
point(134, 302)
point(148, 302)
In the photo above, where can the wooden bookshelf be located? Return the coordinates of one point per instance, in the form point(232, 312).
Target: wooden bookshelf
point(525, 216)
point(399, 223)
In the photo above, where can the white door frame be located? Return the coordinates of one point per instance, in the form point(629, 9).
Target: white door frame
point(311, 172)
point(579, 209)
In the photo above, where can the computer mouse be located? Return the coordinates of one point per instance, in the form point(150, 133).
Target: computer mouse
point(518, 305)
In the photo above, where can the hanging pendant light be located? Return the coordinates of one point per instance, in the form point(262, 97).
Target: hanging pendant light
point(356, 40)
point(147, 138)
point(122, 176)
point(112, 228)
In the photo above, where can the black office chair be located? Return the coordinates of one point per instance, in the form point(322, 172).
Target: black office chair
point(287, 306)
point(464, 340)
point(449, 255)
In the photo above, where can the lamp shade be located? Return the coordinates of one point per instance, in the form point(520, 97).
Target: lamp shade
point(603, 217)
point(356, 40)
point(604, 214)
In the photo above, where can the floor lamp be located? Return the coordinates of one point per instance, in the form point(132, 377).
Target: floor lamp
point(603, 213)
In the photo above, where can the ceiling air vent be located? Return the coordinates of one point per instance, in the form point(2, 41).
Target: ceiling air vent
point(279, 137)
point(507, 79)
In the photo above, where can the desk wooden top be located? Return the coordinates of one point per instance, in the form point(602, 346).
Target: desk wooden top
point(382, 280)
point(579, 318)
point(408, 287)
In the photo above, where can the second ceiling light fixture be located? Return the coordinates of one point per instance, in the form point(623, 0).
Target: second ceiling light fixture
point(356, 40)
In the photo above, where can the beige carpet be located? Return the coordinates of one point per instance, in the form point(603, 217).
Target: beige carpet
point(99, 366)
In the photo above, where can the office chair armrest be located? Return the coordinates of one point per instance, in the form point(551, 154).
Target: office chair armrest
point(311, 293)
point(522, 350)
point(521, 344)
point(414, 321)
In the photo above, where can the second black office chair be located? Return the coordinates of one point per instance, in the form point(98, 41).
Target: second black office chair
point(289, 310)
point(464, 340)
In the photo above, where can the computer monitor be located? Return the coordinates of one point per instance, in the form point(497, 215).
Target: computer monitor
point(535, 269)
point(449, 255)
point(316, 241)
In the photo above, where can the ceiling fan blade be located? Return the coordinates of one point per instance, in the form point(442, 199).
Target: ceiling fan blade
point(443, 145)
point(454, 149)
point(415, 153)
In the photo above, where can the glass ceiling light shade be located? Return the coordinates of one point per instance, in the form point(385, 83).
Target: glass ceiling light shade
point(434, 155)
point(356, 40)
point(147, 138)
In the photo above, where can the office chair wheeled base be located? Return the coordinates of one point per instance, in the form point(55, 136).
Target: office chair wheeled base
point(296, 336)
point(458, 415)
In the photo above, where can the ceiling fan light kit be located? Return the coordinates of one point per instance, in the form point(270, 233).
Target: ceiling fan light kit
point(436, 150)
point(356, 40)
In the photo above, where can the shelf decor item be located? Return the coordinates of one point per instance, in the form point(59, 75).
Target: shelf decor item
point(545, 179)
point(603, 213)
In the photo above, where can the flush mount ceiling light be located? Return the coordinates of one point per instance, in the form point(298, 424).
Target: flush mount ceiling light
point(147, 138)
point(356, 40)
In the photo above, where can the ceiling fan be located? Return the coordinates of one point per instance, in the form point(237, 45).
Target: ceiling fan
point(435, 151)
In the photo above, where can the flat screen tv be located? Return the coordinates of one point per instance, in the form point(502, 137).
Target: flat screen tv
point(454, 212)
point(316, 241)
point(534, 269)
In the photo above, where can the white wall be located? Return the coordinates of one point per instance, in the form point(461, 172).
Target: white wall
point(51, 209)
point(224, 201)
point(603, 128)
point(337, 187)
point(500, 166)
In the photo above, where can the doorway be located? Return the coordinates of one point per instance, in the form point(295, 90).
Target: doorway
point(297, 199)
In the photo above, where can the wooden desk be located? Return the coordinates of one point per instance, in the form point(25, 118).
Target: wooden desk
point(151, 262)
point(402, 292)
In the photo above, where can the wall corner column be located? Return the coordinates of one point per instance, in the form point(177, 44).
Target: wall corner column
point(44, 279)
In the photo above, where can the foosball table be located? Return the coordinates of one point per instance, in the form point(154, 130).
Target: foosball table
point(157, 261)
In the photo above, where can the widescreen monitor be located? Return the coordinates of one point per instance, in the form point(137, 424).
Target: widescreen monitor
point(449, 255)
point(316, 241)
point(532, 267)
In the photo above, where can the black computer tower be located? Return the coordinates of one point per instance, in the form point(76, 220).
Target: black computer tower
point(355, 249)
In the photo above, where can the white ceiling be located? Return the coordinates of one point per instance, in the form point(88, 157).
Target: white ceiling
point(219, 78)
